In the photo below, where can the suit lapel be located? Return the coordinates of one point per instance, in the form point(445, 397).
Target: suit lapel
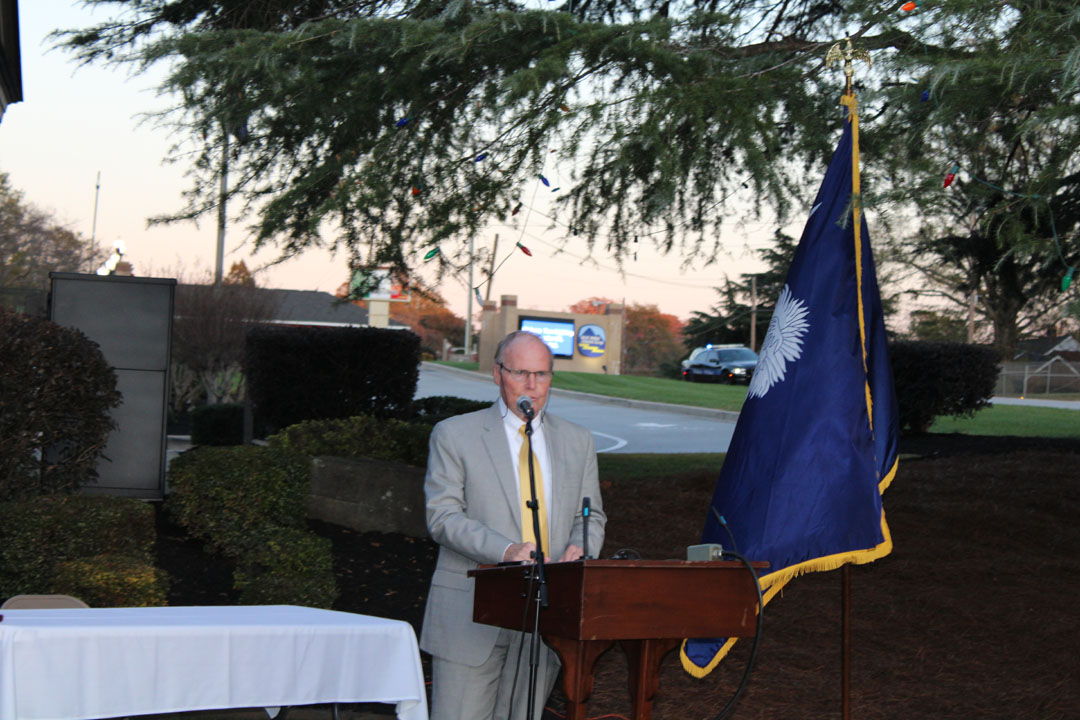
point(498, 450)
point(560, 513)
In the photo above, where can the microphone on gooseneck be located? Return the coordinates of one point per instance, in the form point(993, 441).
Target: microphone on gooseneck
point(585, 508)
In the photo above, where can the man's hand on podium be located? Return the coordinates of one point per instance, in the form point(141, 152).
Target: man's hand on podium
point(520, 552)
point(573, 552)
point(523, 552)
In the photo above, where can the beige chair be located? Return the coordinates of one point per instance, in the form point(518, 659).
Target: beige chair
point(37, 602)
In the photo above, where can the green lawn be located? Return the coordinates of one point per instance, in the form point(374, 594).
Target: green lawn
point(679, 392)
point(1014, 420)
point(460, 365)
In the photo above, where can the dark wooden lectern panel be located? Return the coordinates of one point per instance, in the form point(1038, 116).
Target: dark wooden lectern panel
point(647, 606)
point(624, 599)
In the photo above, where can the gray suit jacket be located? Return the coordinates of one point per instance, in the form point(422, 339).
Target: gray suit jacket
point(473, 513)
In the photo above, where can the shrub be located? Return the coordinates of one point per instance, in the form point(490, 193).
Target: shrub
point(360, 436)
point(250, 503)
point(288, 566)
point(112, 581)
point(935, 379)
point(39, 534)
point(301, 373)
point(370, 437)
point(218, 424)
point(56, 391)
point(431, 410)
point(228, 495)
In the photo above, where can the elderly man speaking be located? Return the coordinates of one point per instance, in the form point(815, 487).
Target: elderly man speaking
point(476, 488)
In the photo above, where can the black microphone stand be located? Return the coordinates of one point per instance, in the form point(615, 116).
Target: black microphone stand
point(541, 598)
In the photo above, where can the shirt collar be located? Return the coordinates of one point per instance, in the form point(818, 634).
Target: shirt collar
point(513, 421)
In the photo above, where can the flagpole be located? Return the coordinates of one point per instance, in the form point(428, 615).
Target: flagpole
point(849, 54)
point(845, 642)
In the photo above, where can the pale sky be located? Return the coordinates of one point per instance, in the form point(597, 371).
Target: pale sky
point(76, 122)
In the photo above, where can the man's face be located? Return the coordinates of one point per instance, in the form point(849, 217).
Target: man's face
point(527, 352)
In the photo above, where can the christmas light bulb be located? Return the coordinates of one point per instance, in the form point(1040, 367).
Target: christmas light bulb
point(909, 6)
point(431, 253)
point(1067, 280)
point(950, 176)
point(524, 249)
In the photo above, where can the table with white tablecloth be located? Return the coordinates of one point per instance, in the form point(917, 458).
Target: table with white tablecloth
point(112, 662)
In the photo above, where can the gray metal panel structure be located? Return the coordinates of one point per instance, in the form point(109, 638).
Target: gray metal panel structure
point(131, 319)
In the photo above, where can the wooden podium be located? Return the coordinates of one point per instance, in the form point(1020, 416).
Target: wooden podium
point(649, 606)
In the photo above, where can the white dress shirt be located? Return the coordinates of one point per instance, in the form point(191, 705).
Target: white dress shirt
point(512, 425)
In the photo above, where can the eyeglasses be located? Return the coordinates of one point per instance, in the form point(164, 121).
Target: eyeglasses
point(541, 376)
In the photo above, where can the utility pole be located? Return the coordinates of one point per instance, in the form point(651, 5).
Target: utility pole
point(468, 302)
point(93, 227)
point(219, 266)
point(491, 267)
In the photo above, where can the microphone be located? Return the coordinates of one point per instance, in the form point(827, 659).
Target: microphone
point(585, 511)
point(524, 404)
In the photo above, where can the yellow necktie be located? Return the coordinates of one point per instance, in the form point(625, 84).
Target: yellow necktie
point(527, 534)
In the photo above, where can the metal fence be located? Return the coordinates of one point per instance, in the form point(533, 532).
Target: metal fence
point(1039, 378)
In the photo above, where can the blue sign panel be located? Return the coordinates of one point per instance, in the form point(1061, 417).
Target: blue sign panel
point(556, 334)
point(591, 341)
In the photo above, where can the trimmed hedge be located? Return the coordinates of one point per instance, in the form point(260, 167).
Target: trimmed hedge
point(228, 495)
point(39, 536)
point(360, 436)
point(370, 437)
point(112, 581)
point(935, 379)
point(306, 373)
point(56, 394)
point(436, 408)
point(250, 504)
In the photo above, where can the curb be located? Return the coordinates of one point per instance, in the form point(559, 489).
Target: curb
point(724, 415)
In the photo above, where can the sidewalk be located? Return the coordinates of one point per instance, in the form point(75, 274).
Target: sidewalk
point(1035, 402)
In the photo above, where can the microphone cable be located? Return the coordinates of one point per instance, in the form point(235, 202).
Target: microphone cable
point(757, 634)
point(529, 598)
point(723, 523)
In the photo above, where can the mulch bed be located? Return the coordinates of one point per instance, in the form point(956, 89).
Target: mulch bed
point(971, 616)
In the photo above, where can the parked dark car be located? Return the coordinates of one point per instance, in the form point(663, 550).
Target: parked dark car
point(720, 363)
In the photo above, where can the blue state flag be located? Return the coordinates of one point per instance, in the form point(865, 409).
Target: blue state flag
point(816, 441)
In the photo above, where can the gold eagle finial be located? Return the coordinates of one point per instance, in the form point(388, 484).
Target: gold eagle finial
point(849, 53)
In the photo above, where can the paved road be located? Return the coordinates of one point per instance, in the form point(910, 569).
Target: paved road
point(621, 426)
point(1033, 402)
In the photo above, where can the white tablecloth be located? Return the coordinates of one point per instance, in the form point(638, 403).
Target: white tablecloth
point(112, 662)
